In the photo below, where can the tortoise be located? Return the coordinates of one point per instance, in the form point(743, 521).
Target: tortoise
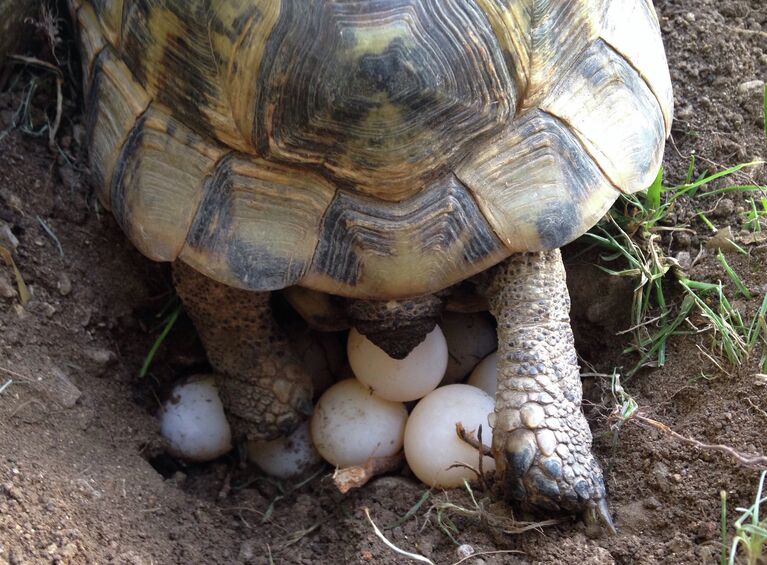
point(379, 154)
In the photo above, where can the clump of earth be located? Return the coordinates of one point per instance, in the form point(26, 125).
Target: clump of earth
point(84, 477)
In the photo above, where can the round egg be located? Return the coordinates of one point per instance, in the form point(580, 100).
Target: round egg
point(285, 457)
point(485, 375)
point(431, 442)
point(399, 379)
point(350, 424)
point(193, 423)
point(470, 338)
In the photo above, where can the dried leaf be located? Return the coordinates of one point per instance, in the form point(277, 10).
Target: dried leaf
point(8, 258)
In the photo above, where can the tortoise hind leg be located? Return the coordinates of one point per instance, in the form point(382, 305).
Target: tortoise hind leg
point(263, 387)
point(541, 439)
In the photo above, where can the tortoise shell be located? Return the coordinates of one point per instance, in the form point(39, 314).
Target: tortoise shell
point(371, 149)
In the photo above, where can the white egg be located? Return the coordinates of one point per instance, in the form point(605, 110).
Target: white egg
point(431, 443)
point(285, 457)
point(401, 380)
point(350, 425)
point(470, 338)
point(485, 375)
point(193, 423)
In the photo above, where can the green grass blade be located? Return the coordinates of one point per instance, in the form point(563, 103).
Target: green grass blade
point(171, 320)
point(653, 192)
point(737, 281)
point(764, 114)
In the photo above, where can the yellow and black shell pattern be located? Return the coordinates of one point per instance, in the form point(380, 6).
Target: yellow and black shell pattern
point(367, 148)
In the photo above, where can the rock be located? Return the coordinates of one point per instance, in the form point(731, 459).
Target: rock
point(39, 307)
point(64, 284)
point(102, 357)
point(707, 530)
point(6, 288)
point(7, 239)
point(247, 551)
point(724, 209)
point(60, 389)
point(464, 550)
point(751, 86)
point(684, 259)
point(660, 473)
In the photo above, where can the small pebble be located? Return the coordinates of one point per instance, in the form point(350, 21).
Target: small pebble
point(100, 356)
point(6, 288)
point(724, 209)
point(7, 239)
point(750, 86)
point(684, 259)
point(64, 284)
point(464, 550)
point(61, 389)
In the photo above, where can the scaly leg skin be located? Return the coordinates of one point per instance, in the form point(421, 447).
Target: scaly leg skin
point(541, 439)
point(264, 389)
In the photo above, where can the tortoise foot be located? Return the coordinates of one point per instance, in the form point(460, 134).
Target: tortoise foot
point(541, 439)
point(265, 391)
point(547, 461)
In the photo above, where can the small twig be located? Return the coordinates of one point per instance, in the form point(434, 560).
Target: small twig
point(747, 460)
point(467, 437)
point(15, 374)
point(35, 62)
point(5, 385)
point(354, 477)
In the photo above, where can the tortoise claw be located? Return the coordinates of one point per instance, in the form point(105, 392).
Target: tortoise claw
point(599, 513)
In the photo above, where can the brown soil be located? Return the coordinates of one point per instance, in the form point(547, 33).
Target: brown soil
point(82, 478)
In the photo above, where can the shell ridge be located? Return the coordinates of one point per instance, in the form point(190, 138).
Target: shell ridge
point(583, 147)
point(643, 78)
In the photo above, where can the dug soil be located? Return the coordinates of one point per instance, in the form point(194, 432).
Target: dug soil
point(83, 477)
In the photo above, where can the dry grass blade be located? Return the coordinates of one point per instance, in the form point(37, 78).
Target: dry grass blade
point(489, 518)
point(390, 545)
point(483, 553)
point(8, 258)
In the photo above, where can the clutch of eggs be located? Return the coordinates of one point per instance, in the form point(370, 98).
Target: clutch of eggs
point(356, 419)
